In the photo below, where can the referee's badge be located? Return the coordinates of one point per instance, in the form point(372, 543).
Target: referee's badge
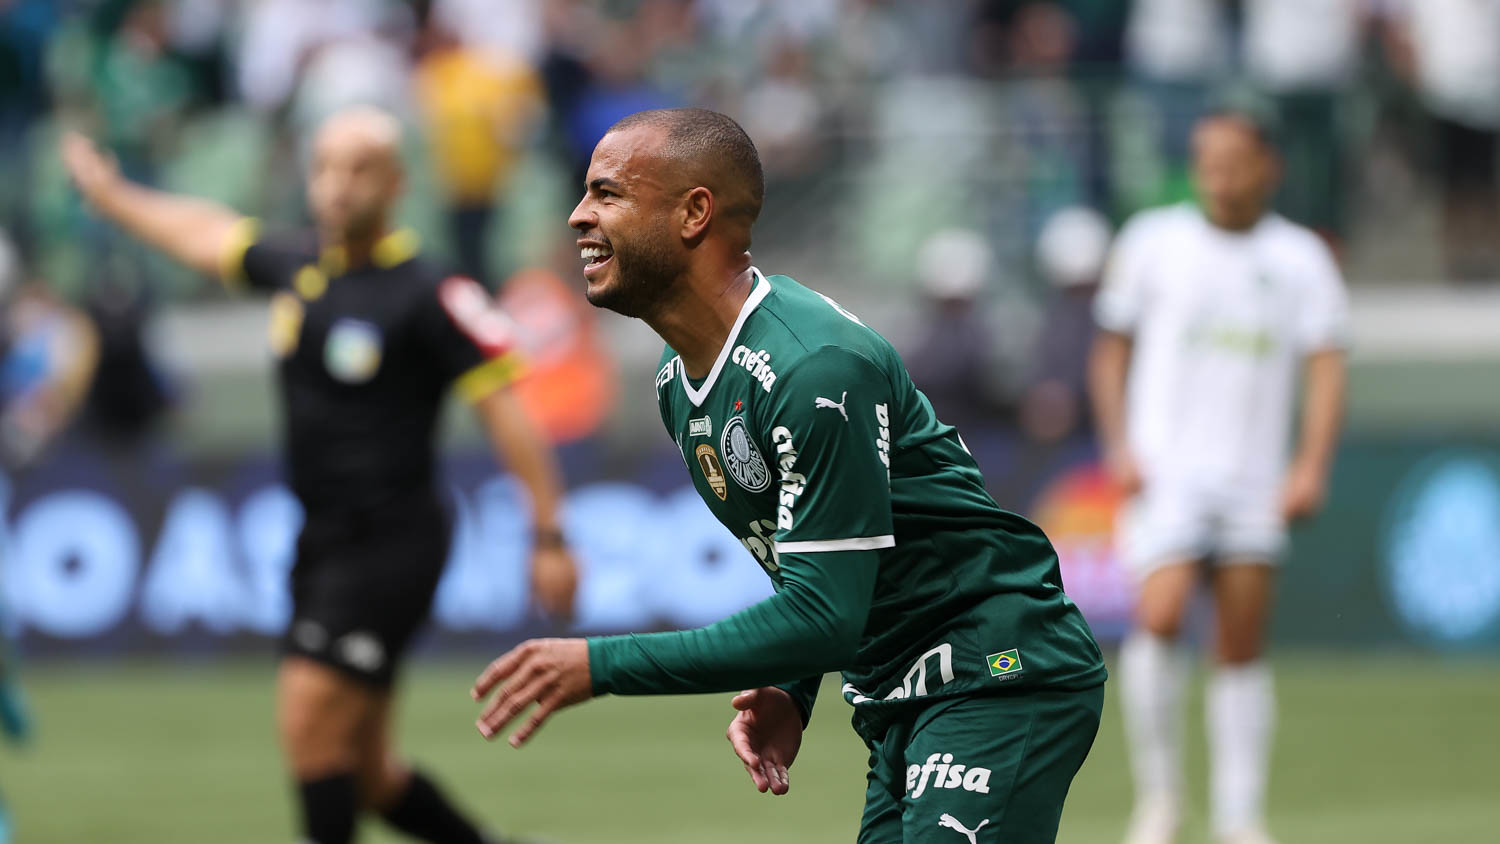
point(352, 351)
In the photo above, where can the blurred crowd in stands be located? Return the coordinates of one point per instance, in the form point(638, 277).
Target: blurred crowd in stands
point(974, 155)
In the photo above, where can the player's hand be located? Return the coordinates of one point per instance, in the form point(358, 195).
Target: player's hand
point(1123, 469)
point(766, 735)
point(1302, 493)
point(551, 673)
point(93, 172)
point(554, 581)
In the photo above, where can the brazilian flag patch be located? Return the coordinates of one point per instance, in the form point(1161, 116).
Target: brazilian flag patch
point(1005, 662)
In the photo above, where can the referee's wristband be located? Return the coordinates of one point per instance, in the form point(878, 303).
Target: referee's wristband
point(549, 538)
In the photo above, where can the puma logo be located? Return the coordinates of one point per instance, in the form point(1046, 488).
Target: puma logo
point(952, 823)
point(821, 402)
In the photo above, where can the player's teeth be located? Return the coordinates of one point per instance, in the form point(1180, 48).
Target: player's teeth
point(591, 254)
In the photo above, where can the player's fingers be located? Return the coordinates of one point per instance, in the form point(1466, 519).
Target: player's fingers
point(758, 778)
point(527, 687)
point(545, 707)
point(775, 777)
point(779, 782)
point(497, 670)
point(492, 724)
point(768, 771)
point(745, 700)
point(775, 771)
point(502, 667)
point(739, 740)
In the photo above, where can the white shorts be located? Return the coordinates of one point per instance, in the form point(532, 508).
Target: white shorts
point(1165, 524)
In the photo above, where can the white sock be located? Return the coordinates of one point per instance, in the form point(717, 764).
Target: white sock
point(1153, 671)
point(1241, 716)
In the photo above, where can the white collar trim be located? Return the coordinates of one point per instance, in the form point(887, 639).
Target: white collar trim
point(760, 291)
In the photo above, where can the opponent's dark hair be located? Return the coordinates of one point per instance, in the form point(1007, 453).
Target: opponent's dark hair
point(1260, 119)
point(716, 147)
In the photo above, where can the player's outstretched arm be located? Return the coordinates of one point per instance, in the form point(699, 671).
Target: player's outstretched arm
point(827, 557)
point(517, 440)
point(810, 627)
point(193, 231)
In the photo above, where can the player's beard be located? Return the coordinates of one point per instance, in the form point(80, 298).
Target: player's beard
point(645, 273)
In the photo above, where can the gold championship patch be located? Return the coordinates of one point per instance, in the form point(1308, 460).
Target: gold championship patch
point(708, 461)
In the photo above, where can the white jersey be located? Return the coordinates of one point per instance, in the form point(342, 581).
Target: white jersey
point(1221, 321)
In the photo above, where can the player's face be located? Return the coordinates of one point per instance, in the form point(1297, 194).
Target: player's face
point(354, 182)
point(1234, 170)
point(632, 257)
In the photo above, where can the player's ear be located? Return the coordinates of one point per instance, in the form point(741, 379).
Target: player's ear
point(1274, 171)
point(698, 211)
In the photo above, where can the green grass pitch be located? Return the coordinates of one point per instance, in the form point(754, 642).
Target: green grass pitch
point(1369, 750)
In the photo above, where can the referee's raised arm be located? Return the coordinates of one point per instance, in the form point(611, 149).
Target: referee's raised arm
point(196, 232)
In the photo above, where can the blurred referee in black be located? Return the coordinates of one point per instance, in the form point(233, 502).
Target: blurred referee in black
point(369, 336)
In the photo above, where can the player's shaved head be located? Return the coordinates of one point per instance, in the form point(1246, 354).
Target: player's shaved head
point(670, 195)
point(705, 148)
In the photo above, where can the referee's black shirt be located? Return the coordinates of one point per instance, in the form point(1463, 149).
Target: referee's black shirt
point(366, 356)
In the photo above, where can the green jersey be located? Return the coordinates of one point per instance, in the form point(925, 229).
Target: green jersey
point(891, 562)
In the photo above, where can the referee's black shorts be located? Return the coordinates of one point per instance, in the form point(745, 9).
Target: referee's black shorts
point(361, 588)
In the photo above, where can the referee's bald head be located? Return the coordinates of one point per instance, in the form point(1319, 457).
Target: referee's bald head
point(355, 178)
point(373, 128)
point(710, 149)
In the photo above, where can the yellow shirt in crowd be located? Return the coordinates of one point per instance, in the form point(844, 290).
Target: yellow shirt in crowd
point(480, 110)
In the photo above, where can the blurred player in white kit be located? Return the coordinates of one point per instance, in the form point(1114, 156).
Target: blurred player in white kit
point(1207, 312)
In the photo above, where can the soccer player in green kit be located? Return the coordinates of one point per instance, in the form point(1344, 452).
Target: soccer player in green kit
point(975, 682)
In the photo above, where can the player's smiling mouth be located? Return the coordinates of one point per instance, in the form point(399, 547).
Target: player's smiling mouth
point(594, 255)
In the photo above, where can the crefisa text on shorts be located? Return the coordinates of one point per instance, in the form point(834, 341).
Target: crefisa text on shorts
point(940, 772)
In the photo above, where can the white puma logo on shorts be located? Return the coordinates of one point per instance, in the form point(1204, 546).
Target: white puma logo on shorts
point(820, 402)
point(952, 823)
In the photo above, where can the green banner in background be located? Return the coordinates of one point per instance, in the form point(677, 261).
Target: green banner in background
point(163, 551)
point(1405, 553)
point(1407, 550)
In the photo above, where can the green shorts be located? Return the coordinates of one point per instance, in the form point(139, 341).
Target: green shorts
point(976, 769)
